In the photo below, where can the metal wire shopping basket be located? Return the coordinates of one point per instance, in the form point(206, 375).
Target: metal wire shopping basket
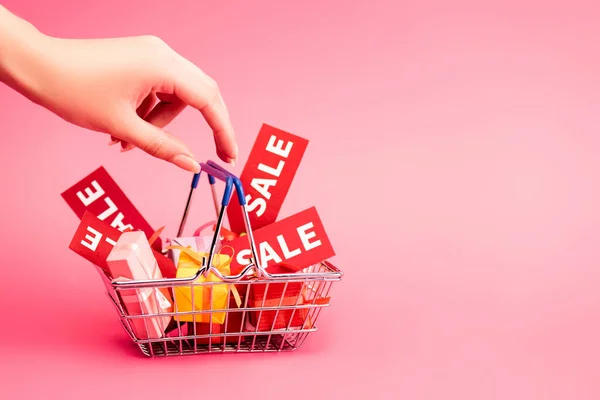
point(270, 312)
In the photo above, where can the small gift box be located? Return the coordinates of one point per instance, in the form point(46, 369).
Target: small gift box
point(272, 295)
point(205, 297)
point(199, 244)
point(132, 258)
point(205, 329)
point(233, 325)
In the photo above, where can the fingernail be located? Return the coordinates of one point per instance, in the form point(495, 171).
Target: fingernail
point(186, 162)
point(128, 148)
point(113, 141)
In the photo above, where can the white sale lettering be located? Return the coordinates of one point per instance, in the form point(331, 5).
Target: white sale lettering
point(268, 253)
point(270, 170)
point(262, 185)
point(278, 149)
point(95, 240)
point(109, 211)
point(112, 207)
point(91, 196)
point(305, 236)
point(285, 250)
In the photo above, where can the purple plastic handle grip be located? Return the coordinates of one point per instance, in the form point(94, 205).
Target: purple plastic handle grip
point(236, 181)
point(217, 166)
point(216, 172)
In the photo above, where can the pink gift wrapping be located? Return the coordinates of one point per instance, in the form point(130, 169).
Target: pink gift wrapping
point(132, 258)
point(147, 302)
point(197, 243)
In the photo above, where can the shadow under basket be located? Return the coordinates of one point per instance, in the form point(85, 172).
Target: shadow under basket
point(250, 315)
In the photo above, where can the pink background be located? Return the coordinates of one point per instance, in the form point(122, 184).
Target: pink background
point(453, 157)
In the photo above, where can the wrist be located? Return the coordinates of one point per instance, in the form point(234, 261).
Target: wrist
point(23, 54)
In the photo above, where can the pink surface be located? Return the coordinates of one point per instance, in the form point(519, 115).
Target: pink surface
point(453, 157)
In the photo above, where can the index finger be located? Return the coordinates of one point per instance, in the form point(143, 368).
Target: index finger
point(201, 92)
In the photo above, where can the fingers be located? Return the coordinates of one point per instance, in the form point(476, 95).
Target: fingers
point(217, 117)
point(160, 115)
point(124, 145)
point(165, 112)
point(142, 110)
point(158, 143)
point(147, 104)
point(200, 91)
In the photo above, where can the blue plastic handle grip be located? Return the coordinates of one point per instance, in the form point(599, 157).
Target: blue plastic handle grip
point(195, 180)
point(236, 181)
point(229, 179)
point(211, 179)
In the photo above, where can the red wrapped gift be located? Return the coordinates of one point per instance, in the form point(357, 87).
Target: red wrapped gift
point(232, 324)
point(235, 325)
point(203, 328)
point(266, 320)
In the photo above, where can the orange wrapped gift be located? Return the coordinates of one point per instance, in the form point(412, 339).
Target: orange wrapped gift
point(232, 324)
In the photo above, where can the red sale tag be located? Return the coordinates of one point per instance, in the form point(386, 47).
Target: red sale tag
point(100, 195)
point(267, 176)
point(95, 239)
point(299, 241)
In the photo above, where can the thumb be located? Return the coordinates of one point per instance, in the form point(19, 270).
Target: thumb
point(158, 143)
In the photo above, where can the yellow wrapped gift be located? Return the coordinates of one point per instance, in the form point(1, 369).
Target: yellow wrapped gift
point(200, 295)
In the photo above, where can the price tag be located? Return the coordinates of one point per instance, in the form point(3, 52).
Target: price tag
point(100, 195)
point(267, 177)
point(298, 241)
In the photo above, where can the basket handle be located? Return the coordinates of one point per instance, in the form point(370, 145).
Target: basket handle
point(236, 182)
point(193, 187)
point(214, 170)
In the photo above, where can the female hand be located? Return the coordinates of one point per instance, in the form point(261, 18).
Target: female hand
point(129, 88)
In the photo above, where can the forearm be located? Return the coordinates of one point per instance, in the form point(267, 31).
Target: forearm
point(22, 53)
